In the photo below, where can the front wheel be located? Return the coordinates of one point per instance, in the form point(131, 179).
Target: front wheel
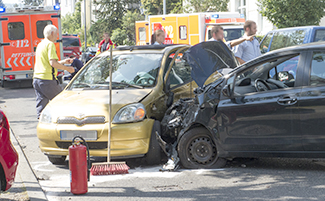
point(153, 156)
point(56, 160)
point(197, 150)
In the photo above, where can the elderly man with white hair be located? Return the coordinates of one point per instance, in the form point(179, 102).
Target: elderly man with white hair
point(45, 81)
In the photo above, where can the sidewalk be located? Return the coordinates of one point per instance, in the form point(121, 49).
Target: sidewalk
point(26, 186)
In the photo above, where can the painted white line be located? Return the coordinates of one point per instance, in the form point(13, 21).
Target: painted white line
point(15, 62)
point(21, 61)
point(8, 62)
point(27, 61)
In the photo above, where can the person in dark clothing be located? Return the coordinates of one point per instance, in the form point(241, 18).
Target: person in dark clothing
point(77, 65)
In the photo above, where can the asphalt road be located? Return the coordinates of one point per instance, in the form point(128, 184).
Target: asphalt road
point(241, 179)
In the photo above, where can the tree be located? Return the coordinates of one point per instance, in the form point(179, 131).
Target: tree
point(33, 2)
point(206, 5)
point(292, 13)
point(109, 14)
point(155, 7)
point(71, 23)
point(128, 25)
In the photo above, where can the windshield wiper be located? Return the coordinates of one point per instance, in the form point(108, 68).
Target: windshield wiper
point(125, 84)
point(81, 85)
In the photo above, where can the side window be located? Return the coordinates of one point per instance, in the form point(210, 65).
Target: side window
point(182, 32)
point(40, 25)
point(287, 39)
point(16, 30)
point(319, 35)
point(265, 43)
point(180, 72)
point(142, 33)
point(274, 74)
point(317, 73)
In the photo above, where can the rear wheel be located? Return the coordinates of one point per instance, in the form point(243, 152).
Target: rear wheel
point(153, 156)
point(196, 149)
point(57, 160)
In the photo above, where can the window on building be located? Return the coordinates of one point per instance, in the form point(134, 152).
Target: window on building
point(182, 32)
point(241, 7)
point(40, 25)
point(142, 33)
point(16, 30)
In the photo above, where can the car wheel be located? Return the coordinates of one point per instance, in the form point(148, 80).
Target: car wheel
point(196, 149)
point(2, 180)
point(57, 160)
point(153, 156)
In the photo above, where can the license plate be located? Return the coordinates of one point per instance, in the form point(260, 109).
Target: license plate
point(20, 76)
point(87, 135)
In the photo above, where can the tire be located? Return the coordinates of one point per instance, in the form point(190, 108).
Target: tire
point(196, 149)
point(57, 160)
point(153, 156)
point(3, 182)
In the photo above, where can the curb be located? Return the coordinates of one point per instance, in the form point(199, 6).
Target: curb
point(24, 170)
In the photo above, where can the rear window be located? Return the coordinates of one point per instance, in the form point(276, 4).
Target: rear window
point(71, 42)
point(287, 39)
point(320, 35)
point(40, 25)
point(16, 30)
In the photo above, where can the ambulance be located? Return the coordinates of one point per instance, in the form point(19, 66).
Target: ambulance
point(21, 29)
point(190, 28)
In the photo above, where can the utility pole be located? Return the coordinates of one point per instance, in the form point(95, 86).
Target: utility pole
point(85, 24)
point(164, 7)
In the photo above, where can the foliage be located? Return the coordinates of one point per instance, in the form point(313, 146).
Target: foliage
point(119, 37)
point(32, 2)
point(206, 5)
point(71, 23)
point(292, 13)
point(155, 7)
point(128, 25)
point(109, 14)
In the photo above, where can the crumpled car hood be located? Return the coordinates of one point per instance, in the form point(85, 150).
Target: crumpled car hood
point(93, 102)
point(207, 57)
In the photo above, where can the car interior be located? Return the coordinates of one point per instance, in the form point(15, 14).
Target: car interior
point(275, 74)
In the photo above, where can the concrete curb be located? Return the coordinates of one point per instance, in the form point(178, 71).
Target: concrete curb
point(24, 170)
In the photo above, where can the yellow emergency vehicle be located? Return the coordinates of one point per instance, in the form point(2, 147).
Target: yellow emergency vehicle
point(190, 28)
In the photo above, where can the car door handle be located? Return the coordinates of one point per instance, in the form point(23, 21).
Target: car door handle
point(287, 101)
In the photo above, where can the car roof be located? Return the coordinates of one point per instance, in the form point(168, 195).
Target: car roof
point(298, 48)
point(296, 28)
point(151, 48)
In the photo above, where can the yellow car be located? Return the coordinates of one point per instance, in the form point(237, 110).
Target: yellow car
point(146, 81)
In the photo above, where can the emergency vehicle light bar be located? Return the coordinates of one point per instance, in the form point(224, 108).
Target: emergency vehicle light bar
point(28, 9)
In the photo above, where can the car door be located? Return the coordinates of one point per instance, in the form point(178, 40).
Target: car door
point(312, 103)
point(268, 121)
point(177, 83)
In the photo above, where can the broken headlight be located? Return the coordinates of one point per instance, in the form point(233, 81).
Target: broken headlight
point(130, 113)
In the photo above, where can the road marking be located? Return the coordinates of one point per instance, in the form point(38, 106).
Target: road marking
point(15, 61)
point(27, 61)
point(8, 62)
point(40, 166)
point(21, 61)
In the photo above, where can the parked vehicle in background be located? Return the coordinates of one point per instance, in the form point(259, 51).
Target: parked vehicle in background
point(287, 37)
point(189, 28)
point(88, 54)
point(8, 155)
point(21, 29)
point(146, 81)
point(71, 46)
point(272, 106)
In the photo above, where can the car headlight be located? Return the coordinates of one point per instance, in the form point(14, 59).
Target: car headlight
point(130, 113)
point(46, 116)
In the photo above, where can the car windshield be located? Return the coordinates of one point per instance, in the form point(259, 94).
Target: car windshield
point(92, 49)
point(129, 70)
point(67, 42)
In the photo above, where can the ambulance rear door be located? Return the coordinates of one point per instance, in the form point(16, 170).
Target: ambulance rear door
point(16, 48)
point(39, 21)
point(142, 32)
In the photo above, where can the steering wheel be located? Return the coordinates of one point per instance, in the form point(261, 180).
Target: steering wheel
point(261, 85)
point(146, 80)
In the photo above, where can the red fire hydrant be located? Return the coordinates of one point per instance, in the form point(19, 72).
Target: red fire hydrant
point(78, 165)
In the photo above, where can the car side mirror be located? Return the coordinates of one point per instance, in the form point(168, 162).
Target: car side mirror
point(226, 91)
